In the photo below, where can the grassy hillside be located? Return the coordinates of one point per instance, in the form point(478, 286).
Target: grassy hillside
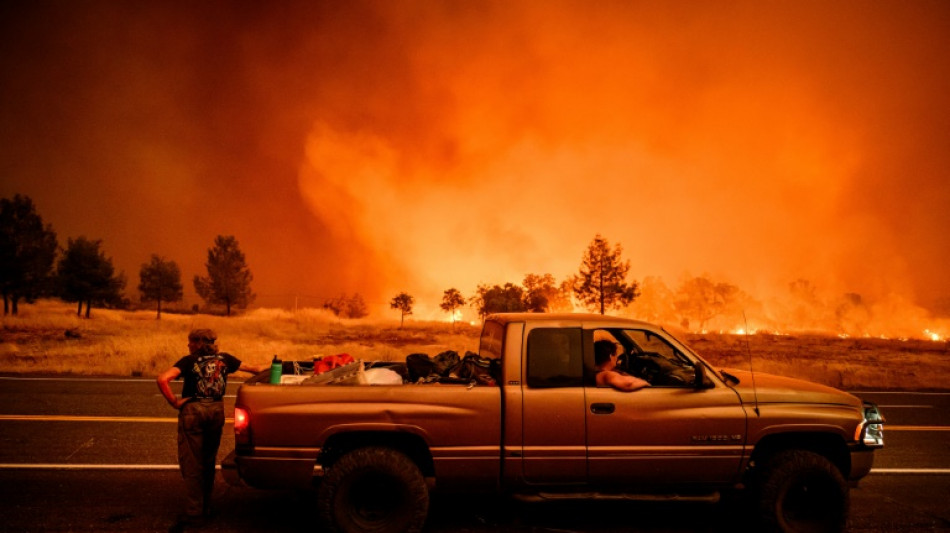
point(48, 337)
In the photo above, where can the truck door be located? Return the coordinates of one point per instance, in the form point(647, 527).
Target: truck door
point(554, 446)
point(668, 433)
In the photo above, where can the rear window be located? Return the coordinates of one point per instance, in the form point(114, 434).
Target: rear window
point(490, 344)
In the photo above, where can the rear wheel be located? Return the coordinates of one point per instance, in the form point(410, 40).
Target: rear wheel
point(802, 492)
point(376, 490)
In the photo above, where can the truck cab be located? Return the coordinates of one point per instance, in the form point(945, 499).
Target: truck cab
point(687, 427)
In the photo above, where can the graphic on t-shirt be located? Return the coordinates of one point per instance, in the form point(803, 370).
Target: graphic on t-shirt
point(211, 372)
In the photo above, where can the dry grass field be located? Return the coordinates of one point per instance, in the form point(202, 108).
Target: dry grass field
point(48, 337)
point(123, 343)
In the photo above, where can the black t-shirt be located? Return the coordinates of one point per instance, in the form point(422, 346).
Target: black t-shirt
point(206, 376)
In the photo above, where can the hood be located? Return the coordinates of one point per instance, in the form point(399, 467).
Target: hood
point(770, 388)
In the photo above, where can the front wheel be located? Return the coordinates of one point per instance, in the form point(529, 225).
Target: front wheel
point(802, 492)
point(373, 489)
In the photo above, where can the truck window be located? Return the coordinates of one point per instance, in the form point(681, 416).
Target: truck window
point(654, 359)
point(647, 341)
point(490, 343)
point(554, 358)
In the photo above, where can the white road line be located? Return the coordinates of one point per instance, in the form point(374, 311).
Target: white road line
point(924, 471)
point(915, 428)
point(71, 418)
point(103, 380)
point(859, 393)
point(89, 380)
point(63, 466)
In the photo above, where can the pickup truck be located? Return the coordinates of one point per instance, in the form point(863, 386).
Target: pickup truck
point(545, 430)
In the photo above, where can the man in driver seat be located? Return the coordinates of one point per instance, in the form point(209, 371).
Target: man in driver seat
point(605, 357)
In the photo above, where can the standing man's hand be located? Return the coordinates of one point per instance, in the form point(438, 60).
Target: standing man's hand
point(179, 403)
point(253, 369)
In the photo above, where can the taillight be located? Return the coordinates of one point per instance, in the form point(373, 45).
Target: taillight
point(242, 426)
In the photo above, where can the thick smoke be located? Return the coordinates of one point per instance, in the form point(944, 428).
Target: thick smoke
point(380, 147)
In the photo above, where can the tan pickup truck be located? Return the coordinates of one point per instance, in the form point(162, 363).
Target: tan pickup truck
point(547, 431)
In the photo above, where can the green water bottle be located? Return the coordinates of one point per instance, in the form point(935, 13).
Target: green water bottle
point(276, 369)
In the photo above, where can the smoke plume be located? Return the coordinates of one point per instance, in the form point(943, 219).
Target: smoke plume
point(380, 147)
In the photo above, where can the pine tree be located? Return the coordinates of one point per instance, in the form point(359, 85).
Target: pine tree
point(84, 274)
point(229, 279)
point(160, 281)
point(27, 252)
point(602, 280)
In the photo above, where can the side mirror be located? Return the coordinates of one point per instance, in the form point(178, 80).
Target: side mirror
point(699, 377)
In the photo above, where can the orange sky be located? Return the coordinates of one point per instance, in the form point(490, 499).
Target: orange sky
point(377, 147)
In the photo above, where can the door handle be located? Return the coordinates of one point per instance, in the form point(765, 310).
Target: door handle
point(602, 408)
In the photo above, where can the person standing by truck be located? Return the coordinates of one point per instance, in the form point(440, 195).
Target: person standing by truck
point(200, 415)
point(605, 357)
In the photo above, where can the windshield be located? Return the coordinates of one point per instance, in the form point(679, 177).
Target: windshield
point(695, 356)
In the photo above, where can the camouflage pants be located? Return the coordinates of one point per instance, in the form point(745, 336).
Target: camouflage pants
point(199, 435)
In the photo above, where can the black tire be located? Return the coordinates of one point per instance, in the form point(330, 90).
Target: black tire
point(802, 492)
point(373, 489)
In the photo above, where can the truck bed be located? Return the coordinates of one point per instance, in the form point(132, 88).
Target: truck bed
point(291, 425)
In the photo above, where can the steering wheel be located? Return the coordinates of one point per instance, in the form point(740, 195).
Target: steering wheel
point(645, 366)
point(623, 361)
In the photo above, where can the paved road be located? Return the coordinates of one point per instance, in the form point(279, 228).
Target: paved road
point(99, 455)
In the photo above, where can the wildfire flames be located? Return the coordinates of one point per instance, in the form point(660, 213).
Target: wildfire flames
point(374, 147)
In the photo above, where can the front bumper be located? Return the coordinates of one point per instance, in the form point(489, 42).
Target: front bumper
point(862, 459)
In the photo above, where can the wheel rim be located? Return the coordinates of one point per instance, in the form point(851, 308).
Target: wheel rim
point(812, 504)
point(376, 499)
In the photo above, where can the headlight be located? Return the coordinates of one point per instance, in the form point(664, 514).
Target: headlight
point(870, 432)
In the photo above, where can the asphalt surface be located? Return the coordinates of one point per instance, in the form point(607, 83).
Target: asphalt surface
point(99, 455)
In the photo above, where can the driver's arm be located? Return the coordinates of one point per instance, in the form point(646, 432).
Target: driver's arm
point(625, 383)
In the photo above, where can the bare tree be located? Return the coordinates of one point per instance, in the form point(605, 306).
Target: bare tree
point(403, 302)
point(347, 306)
point(700, 300)
point(452, 300)
point(853, 314)
point(806, 309)
point(655, 303)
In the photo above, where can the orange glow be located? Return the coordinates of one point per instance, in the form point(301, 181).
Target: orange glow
point(379, 147)
point(455, 316)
